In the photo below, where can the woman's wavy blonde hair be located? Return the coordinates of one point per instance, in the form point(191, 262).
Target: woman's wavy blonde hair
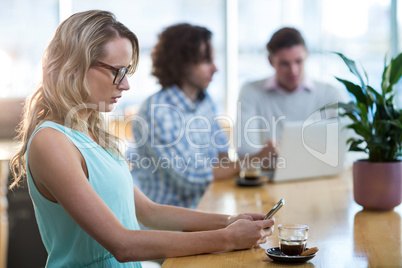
point(78, 42)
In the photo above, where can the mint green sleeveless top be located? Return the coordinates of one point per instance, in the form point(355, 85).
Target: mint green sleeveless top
point(66, 243)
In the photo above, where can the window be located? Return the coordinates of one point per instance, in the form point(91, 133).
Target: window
point(147, 19)
point(24, 39)
point(398, 45)
point(360, 29)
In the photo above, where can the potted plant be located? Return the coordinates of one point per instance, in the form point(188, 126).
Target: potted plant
point(377, 181)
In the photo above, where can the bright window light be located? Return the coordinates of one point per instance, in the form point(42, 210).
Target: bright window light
point(6, 69)
point(356, 14)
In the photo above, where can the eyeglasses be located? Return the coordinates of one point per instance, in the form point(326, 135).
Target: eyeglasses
point(119, 73)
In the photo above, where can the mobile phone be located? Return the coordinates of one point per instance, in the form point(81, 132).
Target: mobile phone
point(275, 209)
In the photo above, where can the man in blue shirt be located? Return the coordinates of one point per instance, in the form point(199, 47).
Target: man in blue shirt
point(181, 147)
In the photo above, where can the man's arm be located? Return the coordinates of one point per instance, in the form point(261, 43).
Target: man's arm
point(225, 169)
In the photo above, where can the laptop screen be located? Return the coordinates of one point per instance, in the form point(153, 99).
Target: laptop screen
point(311, 149)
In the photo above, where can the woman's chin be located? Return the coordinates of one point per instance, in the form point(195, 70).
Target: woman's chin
point(110, 107)
point(106, 108)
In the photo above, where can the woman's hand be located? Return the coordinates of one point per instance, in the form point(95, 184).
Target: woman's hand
point(247, 233)
point(246, 216)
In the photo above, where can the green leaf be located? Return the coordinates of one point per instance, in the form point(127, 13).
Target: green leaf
point(354, 89)
point(395, 123)
point(375, 118)
point(396, 70)
point(352, 67)
point(354, 146)
point(349, 107)
point(391, 75)
point(364, 112)
point(360, 129)
point(378, 98)
point(389, 98)
point(385, 84)
point(352, 116)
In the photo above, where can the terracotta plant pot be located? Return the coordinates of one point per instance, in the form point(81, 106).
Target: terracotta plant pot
point(377, 186)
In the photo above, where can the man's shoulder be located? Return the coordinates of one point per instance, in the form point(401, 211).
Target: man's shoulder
point(327, 90)
point(322, 85)
point(254, 86)
point(162, 107)
point(147, 105)
point(260, 83)
point(156, 98)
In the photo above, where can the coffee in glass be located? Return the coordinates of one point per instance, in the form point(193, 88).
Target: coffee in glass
point(292, 238)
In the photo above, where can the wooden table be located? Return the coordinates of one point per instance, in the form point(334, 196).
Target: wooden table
point(346, 235)
point(7, 149)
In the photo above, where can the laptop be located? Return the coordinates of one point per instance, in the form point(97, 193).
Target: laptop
point(310, 149)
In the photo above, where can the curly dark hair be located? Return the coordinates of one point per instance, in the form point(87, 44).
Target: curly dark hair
point(178, 46)
point(284, 38)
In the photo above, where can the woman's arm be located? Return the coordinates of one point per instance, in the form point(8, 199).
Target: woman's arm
point(58, 171)
point(241, 234)
point(163, 217)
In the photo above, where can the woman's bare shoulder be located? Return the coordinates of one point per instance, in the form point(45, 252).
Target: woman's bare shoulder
point(48, 138)
point(52, 149)
point(53, 161)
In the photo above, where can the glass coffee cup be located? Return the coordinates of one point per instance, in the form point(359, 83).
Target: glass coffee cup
point(251, 171)
point(292, 238)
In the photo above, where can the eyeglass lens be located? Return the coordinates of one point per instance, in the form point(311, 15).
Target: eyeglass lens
point(120, 75)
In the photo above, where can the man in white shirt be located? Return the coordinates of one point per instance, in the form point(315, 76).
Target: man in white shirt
point(288, 95)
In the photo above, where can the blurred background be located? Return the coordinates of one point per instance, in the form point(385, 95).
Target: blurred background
point(364, 30)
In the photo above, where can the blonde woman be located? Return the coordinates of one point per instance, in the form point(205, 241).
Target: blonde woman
point(85, 203)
